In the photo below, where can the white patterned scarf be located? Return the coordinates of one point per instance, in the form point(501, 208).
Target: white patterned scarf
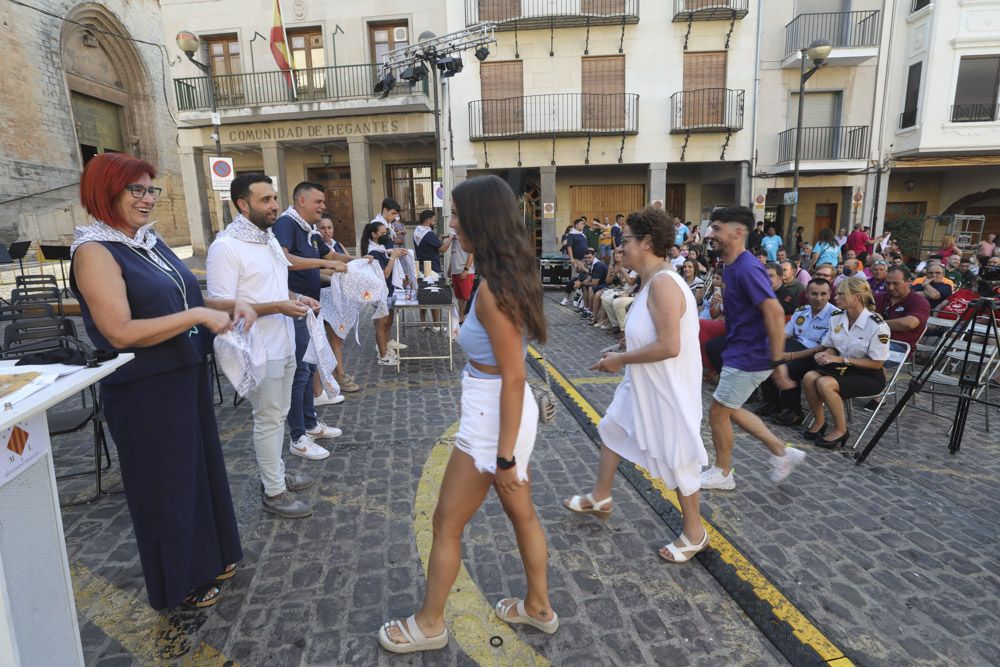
point(350, 293)
point(306, 227)
point(397, 267)
point(242, 229)
point(144, 239)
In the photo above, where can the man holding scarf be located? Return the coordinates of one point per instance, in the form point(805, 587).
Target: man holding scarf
point(296, 232)
point(246, 262)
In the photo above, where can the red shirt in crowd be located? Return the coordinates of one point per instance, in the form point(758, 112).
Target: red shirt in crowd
point(857, 241)
point(913, 304)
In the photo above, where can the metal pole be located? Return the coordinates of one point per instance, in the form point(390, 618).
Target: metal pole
point(437, 140)
point(226, 213)
point(794, 222)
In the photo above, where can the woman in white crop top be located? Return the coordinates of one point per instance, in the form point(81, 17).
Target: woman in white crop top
point(499, 419)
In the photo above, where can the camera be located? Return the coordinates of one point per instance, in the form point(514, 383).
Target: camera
point(989, 281)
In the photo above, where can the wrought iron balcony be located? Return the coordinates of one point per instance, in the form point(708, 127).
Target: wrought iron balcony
point(554, 115)
point(531, 14)
point(844, 30)
point(706, 110)
point(343, 82)
point(846, 142)
point(710, 10)
point(974, 113)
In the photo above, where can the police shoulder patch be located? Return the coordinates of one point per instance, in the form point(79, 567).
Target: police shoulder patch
point(877, 318)
point(837, 312)
point(883, 338)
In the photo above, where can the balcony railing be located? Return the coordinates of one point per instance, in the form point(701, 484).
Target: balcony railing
point(710, 10)
point(908, 118)
point(528, 14)
point(849, 142)
point(555, 115)
point(974, 113)
point(343, 82)
point(706, 110)
point(842, 29)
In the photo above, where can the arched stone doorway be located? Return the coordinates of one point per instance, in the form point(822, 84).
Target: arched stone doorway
point(985, 203)
point(109, 89)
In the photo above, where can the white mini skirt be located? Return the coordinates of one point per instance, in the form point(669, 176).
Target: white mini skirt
point(479, 427)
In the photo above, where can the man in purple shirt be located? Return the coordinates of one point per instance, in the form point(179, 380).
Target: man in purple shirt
point(755, 346)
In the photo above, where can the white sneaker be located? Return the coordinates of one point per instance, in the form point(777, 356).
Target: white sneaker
point(714, 479)
point(325, 399)
point(307, 449)
point(390, 359)
point(782, 466)
point(322, 432)
point(565, 301)
point(396, 345)
point(436, 329)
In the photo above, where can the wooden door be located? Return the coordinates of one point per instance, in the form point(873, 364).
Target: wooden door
point(675, 202)
point(336, 182)
point(992, 215)
point(825, 218)
point(502, 89)
point(226, 62)
point(606, 201)
point(603, 87)
point(704, 88)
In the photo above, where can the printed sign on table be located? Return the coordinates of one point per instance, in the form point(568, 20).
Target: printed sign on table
point(21, 445)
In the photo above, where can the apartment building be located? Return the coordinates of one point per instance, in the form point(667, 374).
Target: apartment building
point(323, 122)
point(837, 173)
point(941, 116)
point(595, 107)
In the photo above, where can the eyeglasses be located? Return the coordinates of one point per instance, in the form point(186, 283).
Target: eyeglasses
point(139, 191)
point(631, 236)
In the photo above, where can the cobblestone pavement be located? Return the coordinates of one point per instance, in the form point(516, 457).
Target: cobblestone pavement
point(895, 561)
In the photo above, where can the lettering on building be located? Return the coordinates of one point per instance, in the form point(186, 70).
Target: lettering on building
point(314, 130)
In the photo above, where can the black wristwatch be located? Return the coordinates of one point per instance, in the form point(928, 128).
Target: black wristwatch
point(506, 464)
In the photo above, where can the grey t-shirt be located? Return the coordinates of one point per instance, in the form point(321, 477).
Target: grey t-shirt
point(458, 258)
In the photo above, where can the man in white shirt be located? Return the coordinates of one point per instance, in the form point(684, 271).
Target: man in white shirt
point(246, 262)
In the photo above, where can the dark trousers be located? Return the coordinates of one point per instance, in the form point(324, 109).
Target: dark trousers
point(789, 399)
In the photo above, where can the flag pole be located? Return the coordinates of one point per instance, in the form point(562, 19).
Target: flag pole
point(288, 50)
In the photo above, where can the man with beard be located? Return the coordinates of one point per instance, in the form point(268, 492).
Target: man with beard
point(246, 262)
point(296, 231)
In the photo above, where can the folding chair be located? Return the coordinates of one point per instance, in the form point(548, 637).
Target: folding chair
point(991, 362)
point(23, 336)
point(38, 292)
point(23, 311)
point(898, 353)
point(36, 279)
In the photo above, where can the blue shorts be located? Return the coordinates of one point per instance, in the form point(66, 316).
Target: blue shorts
point(736, 386)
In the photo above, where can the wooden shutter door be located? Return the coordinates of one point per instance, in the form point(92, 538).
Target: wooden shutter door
point(601, 7)
point(704, 88)
point(499, 10)
point(606, 201)
point(502, 89)
point(603, 103)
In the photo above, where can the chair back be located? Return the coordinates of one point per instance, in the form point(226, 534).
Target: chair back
point(45, 293)
point(899, 352)
point(33, 279)
point(37, 334)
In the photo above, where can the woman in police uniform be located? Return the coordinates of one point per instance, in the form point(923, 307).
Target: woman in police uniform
point(850, 362)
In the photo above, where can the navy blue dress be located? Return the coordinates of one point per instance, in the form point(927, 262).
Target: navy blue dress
point(159, 411)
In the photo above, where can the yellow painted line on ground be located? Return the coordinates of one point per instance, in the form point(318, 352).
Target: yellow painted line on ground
point(150, 638)
point(469, 614)
point(611, 379)
point(782, 608)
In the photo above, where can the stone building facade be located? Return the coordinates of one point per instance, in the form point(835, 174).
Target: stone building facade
point(73, 87)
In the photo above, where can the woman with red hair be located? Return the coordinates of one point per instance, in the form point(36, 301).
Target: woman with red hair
point(137, 296)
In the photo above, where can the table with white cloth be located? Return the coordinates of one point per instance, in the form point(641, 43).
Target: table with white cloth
point(403, 306)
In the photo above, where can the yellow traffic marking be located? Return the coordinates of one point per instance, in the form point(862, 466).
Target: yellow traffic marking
point(469, 614)
point(151, 638)
point(610, 379)
point(782, 608)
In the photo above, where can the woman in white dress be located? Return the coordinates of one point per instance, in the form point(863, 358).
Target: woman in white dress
point(655, 417)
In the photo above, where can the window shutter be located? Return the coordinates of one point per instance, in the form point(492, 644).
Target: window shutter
point(603, 88)
point(502, 89)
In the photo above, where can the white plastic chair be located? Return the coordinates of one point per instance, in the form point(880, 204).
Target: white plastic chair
point(898, 353)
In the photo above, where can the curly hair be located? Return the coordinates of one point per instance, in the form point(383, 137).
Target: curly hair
point(504, 257)
point(657, 225)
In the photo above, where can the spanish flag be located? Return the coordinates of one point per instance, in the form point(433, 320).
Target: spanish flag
point(279, 46)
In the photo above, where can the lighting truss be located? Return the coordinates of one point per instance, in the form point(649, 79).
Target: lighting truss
point(437, 48)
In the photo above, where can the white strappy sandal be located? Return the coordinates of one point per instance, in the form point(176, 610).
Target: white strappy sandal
point(686, 552)
point(414, 639)
point(520, 616)
point(601, 509)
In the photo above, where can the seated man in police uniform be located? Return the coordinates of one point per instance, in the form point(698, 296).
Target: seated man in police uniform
point(804, 334)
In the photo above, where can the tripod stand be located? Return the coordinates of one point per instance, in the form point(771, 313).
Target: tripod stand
point(977, 362)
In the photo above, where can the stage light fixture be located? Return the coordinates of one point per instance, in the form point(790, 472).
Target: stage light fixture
point(482, 53)
point(386, 83)
point(450, 66)
point(414, 74)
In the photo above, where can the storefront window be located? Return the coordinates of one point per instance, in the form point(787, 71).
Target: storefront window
point(410, 185)
point(905, 210)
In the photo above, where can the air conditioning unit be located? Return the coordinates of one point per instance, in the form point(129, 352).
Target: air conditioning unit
point(400, 35)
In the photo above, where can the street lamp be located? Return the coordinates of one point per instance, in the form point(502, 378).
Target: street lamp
point(188, 42)
point(817, 52)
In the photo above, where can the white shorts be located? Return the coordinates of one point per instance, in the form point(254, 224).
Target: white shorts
point(479, 427)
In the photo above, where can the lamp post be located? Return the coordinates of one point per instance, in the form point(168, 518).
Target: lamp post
point(817, 52)
point(188, 42)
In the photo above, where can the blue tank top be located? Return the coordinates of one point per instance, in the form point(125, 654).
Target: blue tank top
point(475, 342)
point(151, 292)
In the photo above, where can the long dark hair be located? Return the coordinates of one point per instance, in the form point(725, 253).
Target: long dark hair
point(489, 218)
point(366, 235)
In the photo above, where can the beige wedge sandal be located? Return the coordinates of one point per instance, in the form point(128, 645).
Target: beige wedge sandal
point(601, 509)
